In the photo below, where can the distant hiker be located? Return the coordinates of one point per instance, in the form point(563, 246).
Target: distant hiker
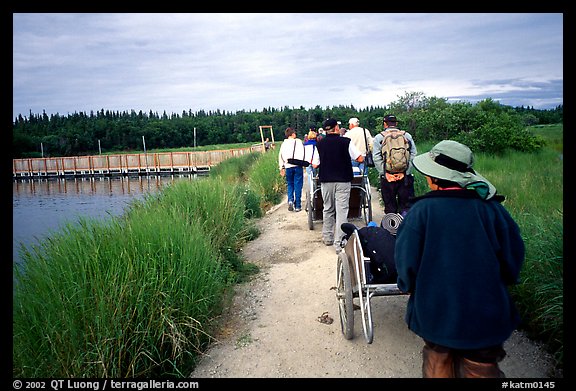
point(310, 149)
point(292, 148)
point(362, 139)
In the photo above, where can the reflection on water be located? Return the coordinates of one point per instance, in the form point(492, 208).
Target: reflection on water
point(40, 206)
point(121, 185)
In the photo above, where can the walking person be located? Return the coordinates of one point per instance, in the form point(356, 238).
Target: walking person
point(362, 139)
point(310, 149)
point(292, 148)
point(394, 150)
point(457, 251)
point(335, 175)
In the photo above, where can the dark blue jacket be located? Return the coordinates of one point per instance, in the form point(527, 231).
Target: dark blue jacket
point(456, 254)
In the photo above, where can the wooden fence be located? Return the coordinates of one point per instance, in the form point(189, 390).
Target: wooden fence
point(126, 164)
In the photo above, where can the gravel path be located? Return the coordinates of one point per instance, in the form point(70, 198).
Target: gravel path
point(273, 330)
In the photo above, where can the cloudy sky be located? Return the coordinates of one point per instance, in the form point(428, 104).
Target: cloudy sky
point(66, 63)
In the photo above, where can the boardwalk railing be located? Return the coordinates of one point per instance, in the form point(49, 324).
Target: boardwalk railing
point(126, 164)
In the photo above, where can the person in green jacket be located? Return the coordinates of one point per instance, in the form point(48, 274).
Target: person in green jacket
point(457, 251)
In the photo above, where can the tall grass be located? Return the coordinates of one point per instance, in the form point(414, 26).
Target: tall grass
point(130, 298)
point(136, 295)
point(533, 186)
point(265, 180)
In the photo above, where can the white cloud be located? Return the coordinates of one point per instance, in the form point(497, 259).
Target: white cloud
point(172, 62)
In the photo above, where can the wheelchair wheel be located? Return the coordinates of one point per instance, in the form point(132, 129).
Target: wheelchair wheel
point(365, 309)
point(344, 295)
point(367, 325)
point(368, 201)
point(310, 210)
point(367, 209)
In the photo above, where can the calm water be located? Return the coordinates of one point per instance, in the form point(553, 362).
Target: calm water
point(42, 206)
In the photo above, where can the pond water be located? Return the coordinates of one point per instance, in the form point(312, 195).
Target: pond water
point(40, 206)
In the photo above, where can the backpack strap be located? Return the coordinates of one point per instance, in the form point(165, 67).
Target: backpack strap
point(294, 150)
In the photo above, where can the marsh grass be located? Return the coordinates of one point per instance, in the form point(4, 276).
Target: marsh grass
point(533, 186)
point(265, 180)
point(129, 298)
point(138, 295)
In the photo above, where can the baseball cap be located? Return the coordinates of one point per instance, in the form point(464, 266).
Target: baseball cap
point(390, 119)
point(354, 121)
point(329, 124)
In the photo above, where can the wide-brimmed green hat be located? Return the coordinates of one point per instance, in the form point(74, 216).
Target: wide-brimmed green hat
point(453, 161)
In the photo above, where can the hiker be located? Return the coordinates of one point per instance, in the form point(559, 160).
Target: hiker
point(292, 148)
point(310, 149)
point(335, 175)
point(394, 150)
point(457, 250)
point(362, 139)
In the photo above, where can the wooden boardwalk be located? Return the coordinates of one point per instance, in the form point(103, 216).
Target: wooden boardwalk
point(125, 164)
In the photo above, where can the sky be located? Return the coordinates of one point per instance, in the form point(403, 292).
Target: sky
point(69, 63)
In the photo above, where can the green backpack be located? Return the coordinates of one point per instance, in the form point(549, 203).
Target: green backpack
point(395, 151)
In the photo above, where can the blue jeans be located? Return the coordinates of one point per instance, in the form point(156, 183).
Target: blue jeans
point(294, 183)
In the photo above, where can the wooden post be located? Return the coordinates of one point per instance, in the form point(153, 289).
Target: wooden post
point(262, 135)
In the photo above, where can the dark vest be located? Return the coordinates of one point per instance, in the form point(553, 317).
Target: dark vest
point(335, 160)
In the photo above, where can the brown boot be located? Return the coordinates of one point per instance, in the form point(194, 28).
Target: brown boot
point(436, 364)
point(472, 369)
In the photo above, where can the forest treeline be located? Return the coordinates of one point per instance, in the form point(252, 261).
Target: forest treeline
point(483, 126)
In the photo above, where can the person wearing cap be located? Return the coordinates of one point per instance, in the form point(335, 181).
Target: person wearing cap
point(292, 147)
point(457, 251)
point(362, 139)
point(334, 163)
point(398, 188)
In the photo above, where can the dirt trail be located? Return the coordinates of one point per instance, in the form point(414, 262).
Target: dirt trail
point(273, 328)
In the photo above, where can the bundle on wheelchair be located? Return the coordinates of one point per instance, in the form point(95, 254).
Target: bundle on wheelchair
point(377, 244)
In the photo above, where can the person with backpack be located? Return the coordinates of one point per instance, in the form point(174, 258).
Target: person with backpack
point(394, 150)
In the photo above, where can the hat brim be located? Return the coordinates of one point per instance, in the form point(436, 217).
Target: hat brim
point(427, 166)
